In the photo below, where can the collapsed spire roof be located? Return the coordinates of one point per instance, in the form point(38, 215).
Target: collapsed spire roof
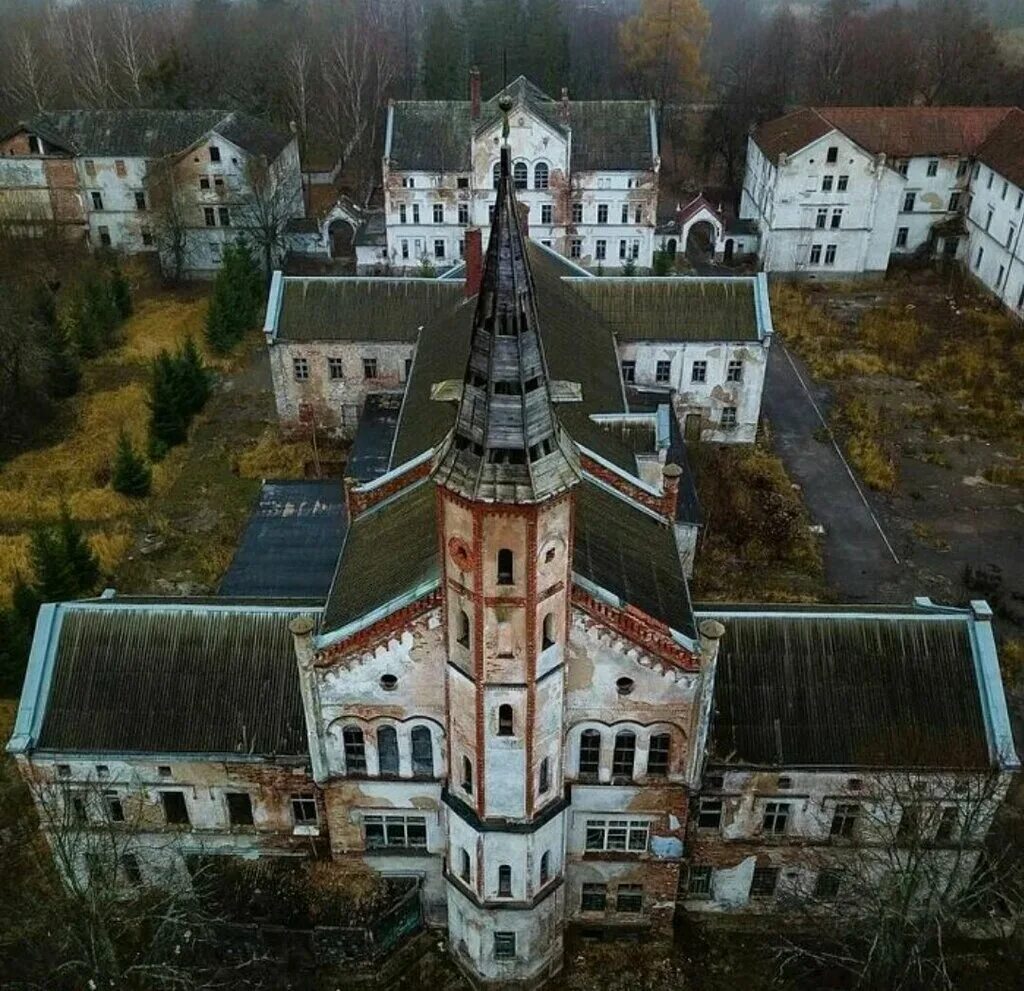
point(507, 444)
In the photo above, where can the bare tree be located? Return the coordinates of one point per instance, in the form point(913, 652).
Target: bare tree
point(170, 208)
point(912, 865)
point(132, 55)
point(268, 206)
point(298, 68)
point(28, 84)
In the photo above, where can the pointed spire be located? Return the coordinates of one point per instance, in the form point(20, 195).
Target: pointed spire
point(507, 444)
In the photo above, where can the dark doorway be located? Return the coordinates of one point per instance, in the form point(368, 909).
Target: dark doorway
point(691, 427)
point(728, 250)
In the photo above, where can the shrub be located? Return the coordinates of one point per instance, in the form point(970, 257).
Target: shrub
point(130, 474)
point(894, 333)
point(179, 387)
point(662, 263)
point(194, 378)
point(120, 292)
point(63, 564)
point(234, 306)
point(629, 268)
point(865, 446)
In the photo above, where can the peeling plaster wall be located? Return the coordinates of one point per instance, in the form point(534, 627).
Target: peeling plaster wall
point(995, 255)
point(335, 404)
point(123, 222)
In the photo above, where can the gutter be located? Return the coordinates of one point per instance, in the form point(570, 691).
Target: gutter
point(38, 678)
point(381, 612)
point(274, 301)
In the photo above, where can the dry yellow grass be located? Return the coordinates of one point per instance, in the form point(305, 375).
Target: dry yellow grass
point(159, 323)
point(272, 457)
point(13, 560)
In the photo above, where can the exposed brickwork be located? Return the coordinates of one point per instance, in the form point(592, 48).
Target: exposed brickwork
point(381, 631)
point(663, 505)
point(359, 499)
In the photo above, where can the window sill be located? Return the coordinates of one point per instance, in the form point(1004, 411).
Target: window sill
point(305, 830)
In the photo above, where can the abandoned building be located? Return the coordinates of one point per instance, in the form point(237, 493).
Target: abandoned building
point(844, 190)
point(506, 694)
point(586, 175)
point(178, 183)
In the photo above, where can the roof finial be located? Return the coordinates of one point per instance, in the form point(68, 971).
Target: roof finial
point(505, 104)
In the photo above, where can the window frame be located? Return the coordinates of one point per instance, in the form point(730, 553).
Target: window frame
point(587, 739)
point(663, 371)
point(599, 835)
point(394, 825)
point(776, 814)
point(238, 809)
point(300, 803)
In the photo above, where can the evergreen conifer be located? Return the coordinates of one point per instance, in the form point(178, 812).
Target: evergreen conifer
point(120, 292)
point(234, 307)
point(168, 421)
point(74, 547)
point(131, 475)
point(193, 376)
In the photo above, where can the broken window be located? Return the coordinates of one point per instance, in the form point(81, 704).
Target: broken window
point(147, 236)
point(466, 868)
point(300, 367)
point(463, 213)
point(658, 753)
point(239, 808)
point(548, 632)
point(901, 237)
point(34, 147)
point(79, 810)
point(734, 372)
point(590, 752)
point(395, 831)
point(763, 882)
point(629, 898)
point(844, 820)
point(467, 775)
point(462, 628)
point(214, 153)
point(304, 810)
point(504, 881)
point(520, 175)
point(629, 371)
point(698, 882)
point(505, 946)
point(545, 867)
point(776, 817)
point(624, 754)
point(505, 566)
point(369, 368)
point(130, 866)
point(112, 803)
point(204, 182)
point(545, 776)
point(577, 213)
point(224, 216)
point(948, 822)
point(387, 750)
point(826, 885)
point(594, 897)
point(63, 770)
point(505, 723)
point(540, 175)
point(209, 217)
point(422, 752)
point(140, 200)
point(164, 770)
point(909, 200)
point(175, 809)
point(709, 814)
point(439, 248)
point(728, 421)
point(462, 182)
point(663, 371)
point(105, 237)
point(617, 834)
point(355, 750)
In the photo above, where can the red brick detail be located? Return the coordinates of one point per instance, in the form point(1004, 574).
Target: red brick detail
point(645, 631)
point(478, 657)
point(474, 261)
point(531, 654)
point(358, 500)
point(439, 511)
point(656, 503)
point(380, 632)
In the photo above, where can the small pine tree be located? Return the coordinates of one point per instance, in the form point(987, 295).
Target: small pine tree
point(168, 421)
point(24, 600)
point(99, 301)
point(63, 373)
point(120, 292)
point(629, 268)
point(234, 307)
point(82, 560)
point(87, 337)
point(130, 475)
point(14, 647)
point(54, 575)
point(193, 377)
point(662, 263)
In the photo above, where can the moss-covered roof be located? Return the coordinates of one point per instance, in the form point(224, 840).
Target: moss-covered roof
point(325, 309)
point(673, 309)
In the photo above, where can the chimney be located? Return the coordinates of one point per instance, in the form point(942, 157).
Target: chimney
point(709, 633)
point(670, 476)
point(474, 93)
point(474, 260)
point(565, 105)
point(301, 629)
point(524, 218)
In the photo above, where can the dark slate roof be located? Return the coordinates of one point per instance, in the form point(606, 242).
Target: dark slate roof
point(845, 688)
point(152, 133)
point(360, 309)
point(899, 132)
point(175, 678)
point(631, 554)
point(436, 135)
point(673, 309)
point(1003, 151)
point(371, 448)
point(389, 550)
point(291, 542)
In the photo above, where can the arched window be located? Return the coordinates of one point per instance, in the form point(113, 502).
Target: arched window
point(548, 635)
point(422, 752)
point(467, 775)
point(462, 633)
point(520, 175)
point(505, 727)
point(624, 754)
point(545, 867)
point(387, 750)
point(540, 175)
point(355, 750)
point(505, 566)
point(496, 173)
point(504, 881)
point(466, 872)
point(658, 753)
point(545, 776)
point(590, 752)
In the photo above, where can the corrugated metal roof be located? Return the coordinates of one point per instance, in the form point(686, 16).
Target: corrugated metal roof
point(846, 689)
point(674, 309)
point(360, 309)
point(291, 542)
point(175, 678)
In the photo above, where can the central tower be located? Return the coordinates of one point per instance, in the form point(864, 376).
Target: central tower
point(505, 477)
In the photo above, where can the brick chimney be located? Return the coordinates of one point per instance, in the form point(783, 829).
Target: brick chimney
point(474, 260)
point(670, 476)
point(474, 93)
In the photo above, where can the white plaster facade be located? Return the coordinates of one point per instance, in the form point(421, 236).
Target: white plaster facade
point(995, 255)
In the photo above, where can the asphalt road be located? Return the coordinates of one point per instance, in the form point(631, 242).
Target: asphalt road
point(860, 563)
